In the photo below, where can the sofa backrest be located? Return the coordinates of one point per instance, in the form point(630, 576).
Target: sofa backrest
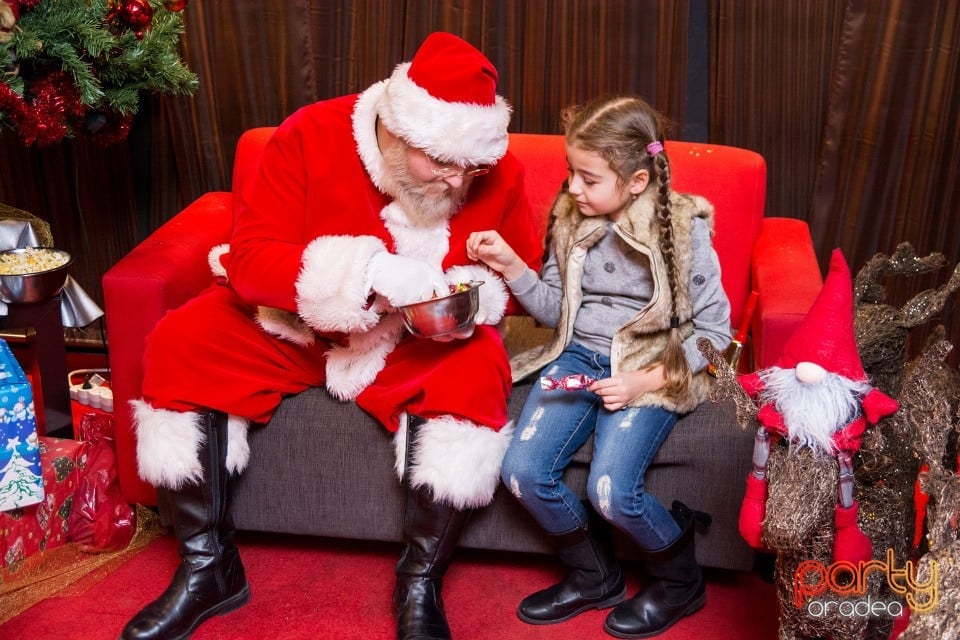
point(733, 179)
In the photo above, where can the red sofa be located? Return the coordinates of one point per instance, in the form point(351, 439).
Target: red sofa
point(298, 483)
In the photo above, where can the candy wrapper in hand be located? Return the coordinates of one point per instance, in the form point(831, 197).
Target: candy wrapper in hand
point(572, 382)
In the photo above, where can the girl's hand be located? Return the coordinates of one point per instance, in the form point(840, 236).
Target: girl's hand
point(491, 249)
point(620, 390)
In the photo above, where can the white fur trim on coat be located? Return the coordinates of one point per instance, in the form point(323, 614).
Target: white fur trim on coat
point(285, 325)
point(458, 132)
point(168, 445)
point(351, 368)
point(365, 132)
point(427, 243)
point(492, 294)
point(333, 287)
point(459, 460)
point(213, 259)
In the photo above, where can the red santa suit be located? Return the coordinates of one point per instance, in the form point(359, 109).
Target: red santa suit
point(295, 307)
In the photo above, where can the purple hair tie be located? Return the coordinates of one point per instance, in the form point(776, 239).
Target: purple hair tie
point(654, 148)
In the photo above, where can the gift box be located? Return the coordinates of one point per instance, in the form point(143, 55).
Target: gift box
point(26, 531)
point(21, 484)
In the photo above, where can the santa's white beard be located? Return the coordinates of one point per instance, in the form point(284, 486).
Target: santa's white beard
point(426, 201)
point(812, 413)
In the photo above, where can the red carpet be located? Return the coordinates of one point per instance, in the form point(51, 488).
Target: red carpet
point(326, 589)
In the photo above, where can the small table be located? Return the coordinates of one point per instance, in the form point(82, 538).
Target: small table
point(40, 328)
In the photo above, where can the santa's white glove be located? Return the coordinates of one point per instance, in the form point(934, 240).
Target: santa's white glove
point(403, 280)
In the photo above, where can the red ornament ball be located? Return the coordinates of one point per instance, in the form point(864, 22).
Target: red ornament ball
point(137, 14)
point(175, 5)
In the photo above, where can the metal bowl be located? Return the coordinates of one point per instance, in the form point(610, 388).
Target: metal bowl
point(25, 281)
point(443, 315)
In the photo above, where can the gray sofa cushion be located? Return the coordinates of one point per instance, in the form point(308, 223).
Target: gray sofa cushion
point(323, 467)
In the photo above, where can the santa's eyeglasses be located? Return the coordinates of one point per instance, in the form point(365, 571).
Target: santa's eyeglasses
point(445, 171)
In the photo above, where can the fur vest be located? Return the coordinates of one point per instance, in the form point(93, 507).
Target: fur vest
point(640, 342)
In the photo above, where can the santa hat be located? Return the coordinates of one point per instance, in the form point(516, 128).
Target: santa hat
point(825, 336)
point(444, 101)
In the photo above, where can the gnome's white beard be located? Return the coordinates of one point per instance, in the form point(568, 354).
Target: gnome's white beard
point(812, 413)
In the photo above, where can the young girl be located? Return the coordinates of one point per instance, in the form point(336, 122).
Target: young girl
point(630, 282)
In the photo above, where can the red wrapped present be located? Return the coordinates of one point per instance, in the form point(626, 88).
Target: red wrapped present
point(39, 527)
point(100, 518)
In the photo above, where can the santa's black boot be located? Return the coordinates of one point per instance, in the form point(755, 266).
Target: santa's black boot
point(675, 587)
point(595, 579)
point(210, 579)
point(430, 531)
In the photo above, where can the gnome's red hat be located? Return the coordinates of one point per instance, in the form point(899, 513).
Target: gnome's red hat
point(825, 336)
point(445, 102)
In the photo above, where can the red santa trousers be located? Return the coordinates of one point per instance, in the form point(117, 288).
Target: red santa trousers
point(211, 354)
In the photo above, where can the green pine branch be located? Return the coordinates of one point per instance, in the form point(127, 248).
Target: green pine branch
point(109, 65)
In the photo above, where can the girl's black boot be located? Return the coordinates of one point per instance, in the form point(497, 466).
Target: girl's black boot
point(675, 587)
point(595, 580)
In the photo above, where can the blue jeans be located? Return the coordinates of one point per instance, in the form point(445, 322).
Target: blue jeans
point(554, 425)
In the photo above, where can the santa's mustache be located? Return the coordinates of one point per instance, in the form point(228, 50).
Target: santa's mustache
point(813, 412)
point(430, 201)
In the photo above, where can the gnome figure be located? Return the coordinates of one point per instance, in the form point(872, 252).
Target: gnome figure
point(817, 396)
point(813, 407)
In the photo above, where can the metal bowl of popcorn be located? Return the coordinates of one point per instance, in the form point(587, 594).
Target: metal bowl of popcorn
point(445, 314)
point(32, 274)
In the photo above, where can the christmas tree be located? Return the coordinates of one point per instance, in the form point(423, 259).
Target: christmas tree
point(78, 67)
point(20, 485)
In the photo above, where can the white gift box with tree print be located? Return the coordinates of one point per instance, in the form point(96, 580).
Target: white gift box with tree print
point(21, 482)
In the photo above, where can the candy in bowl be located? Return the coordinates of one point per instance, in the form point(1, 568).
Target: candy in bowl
point(444, 314)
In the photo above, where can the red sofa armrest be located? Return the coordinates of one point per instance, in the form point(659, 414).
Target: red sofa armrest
point(784, 269)
point(165, 270)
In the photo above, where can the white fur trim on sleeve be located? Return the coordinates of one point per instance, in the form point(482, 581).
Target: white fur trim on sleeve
point(333, 286)
point(168, 445)
point(458, 460)
point(493, 292)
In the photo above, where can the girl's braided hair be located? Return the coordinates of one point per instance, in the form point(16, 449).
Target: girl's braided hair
point(619, 129)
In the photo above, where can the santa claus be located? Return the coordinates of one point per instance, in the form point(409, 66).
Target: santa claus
point(361, 204)
point(818, 397)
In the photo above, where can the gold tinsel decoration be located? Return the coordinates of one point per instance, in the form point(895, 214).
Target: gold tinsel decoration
point(50, 573)
point(930, 396)
point(886, 467)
